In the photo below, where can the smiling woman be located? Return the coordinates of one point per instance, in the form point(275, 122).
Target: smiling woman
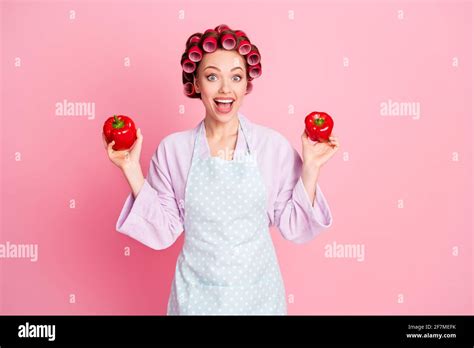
point(221, 83)
point(218, 67)
point(200, 46)
point(224, 207)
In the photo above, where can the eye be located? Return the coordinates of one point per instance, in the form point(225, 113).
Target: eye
point(239, 78)
point(212, 75)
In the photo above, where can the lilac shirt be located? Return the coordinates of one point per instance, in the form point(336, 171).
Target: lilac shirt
point(156, 216)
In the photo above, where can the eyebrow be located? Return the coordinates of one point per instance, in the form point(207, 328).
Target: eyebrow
point(211, 66)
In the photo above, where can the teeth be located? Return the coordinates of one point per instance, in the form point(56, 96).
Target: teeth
point(224, 100)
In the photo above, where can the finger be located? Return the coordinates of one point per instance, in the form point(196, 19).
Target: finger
point(104, 140)
point(139, 137)
point(137, 145)
point(110, 149)
point(305, 138)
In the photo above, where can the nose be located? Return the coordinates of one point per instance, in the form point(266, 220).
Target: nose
point(225, 86)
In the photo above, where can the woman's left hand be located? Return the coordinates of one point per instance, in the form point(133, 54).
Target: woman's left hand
point(316, 154)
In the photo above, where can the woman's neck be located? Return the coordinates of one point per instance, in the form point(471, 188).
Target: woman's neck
point(217, 130)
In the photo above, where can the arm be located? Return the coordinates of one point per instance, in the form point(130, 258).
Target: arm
point(310, 182)
point(300, 210)
point(150, 214)
point(134, 177)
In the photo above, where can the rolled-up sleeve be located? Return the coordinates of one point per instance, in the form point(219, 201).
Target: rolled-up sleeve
point(152, 217)
point(294, 215)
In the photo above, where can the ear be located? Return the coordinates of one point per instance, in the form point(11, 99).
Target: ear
point(196, 85)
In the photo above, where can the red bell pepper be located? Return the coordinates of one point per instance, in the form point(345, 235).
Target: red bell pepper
point(318, 126)
point(120, 129)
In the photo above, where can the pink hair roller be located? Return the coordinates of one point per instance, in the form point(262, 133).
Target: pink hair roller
point(228, 41)
point(209, 44)
point(244, 47)
point(195, 53)
point(240, 33)
point(195, 39)
point(188, 76)
point(249, 87)
point(221, 28)
point(210, 31)
point(255, 71)
point(188, 88)
point(189, 66)
point(253, 58)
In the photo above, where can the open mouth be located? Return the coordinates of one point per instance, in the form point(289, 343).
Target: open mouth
point(223, 105)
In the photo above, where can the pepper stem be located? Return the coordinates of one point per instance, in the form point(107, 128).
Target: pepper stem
point(117, 124)
point(319, 121)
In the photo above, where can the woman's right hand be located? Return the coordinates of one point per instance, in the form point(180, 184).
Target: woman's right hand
point(126, 158)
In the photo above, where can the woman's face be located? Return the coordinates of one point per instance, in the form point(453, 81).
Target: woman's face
point(221, 75)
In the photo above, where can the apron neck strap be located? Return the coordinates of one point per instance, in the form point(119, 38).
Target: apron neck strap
point(197, 142)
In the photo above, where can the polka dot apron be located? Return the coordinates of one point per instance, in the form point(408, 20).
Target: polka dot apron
point(228, 264)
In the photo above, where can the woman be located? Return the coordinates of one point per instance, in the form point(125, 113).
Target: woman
point(224, 183)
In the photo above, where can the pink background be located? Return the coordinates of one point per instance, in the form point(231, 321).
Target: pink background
point(408, 251)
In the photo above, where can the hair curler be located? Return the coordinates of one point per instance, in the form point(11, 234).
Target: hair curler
point(195, 53)
point(195, 38)
point(253, 57)
point(243, 45)
point(187, 77)
point(228, 40)
point(239, 33)
point(255, 71)
point(188, 66)
point(188, 88)
point(221, 28)
point(249, 87)
point(209, 41)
